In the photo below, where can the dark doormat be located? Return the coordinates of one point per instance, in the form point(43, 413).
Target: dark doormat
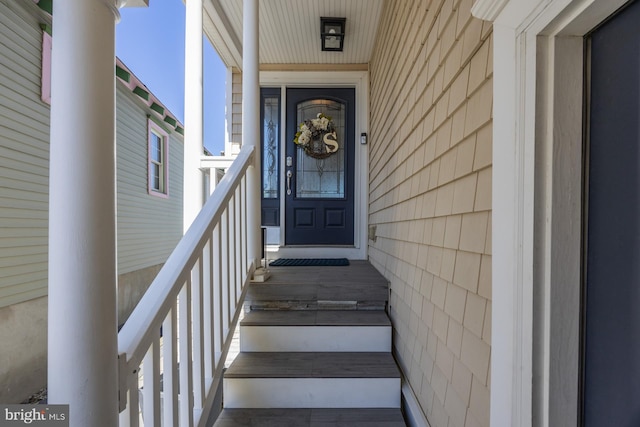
point(309, 262)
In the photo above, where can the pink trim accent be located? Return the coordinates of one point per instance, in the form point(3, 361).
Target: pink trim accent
point(45, 87)
point(152, 127)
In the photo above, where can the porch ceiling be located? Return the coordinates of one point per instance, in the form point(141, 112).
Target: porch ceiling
point(290, 30)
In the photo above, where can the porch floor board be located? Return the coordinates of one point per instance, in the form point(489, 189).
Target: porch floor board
point(358, 286)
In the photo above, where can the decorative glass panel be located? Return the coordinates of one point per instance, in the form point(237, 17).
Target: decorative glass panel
point(270, 146)
point(321, 178)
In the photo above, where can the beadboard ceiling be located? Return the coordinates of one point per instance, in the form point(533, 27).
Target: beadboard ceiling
point(290, 30)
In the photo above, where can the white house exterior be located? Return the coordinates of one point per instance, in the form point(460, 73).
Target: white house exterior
point(149, 222)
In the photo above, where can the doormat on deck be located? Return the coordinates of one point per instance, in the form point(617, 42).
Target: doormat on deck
point(309, 262)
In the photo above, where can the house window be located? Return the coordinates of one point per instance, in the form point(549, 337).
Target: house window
point(158, 160)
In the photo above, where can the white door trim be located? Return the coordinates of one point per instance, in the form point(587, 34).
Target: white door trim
point(360, 81)
point(537, 167)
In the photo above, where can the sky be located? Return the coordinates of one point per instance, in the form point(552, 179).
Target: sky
point(150, 42)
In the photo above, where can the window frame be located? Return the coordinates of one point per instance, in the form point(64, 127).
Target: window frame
point(154, 129)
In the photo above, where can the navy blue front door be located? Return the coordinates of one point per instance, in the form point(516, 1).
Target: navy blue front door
point(319, 192)
point(611, 368)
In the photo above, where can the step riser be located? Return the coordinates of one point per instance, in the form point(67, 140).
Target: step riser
point(312, 392)
point(315, 338)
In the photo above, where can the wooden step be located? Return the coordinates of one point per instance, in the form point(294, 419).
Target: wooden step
point(312, 380)
point(320, 331)
point(382, 417)
point(356, 287)
point(316, 296)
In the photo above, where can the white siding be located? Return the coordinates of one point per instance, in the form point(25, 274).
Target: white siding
point(24, 157)
point(149, 227)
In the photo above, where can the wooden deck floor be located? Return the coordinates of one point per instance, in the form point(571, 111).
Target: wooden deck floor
point(356, 286)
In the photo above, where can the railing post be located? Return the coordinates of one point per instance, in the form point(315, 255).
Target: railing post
point(251, 122)
point(193, 108)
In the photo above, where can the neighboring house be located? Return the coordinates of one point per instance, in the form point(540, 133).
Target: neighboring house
point(149, 152)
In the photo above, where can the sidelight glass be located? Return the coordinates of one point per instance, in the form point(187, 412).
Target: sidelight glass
point(270, 131)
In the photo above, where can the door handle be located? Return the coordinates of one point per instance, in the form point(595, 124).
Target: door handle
point(289, 175)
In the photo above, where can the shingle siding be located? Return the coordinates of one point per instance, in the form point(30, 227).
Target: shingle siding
point(430, 200)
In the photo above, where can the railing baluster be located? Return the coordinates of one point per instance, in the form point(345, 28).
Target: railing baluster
point(238, 246)
point(217, 294)
point(194, 300)
point(232, 248)
point(198, 336)
point(245, 246)
point(225, 273)
point(207, 292)
point(151, 385)
point(184, 343)
point(134, 400)
point(170, 367)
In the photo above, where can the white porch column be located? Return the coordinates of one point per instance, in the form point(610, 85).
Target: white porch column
point(82, 360)
point(193, 112)
point(251, 121)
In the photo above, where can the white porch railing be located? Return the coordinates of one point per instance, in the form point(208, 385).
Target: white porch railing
point(173, 347)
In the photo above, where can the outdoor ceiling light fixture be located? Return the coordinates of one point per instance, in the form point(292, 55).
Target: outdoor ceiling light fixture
point(332, 34)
